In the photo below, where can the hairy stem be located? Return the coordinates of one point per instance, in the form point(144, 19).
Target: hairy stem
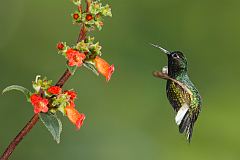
point(67, 74)
point(82, 33)
point(19, 137)
point(88, 4)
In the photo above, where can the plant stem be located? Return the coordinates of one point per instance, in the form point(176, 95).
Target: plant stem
point(88, 2)
point(67, 74)
point(19, 137)
point(82, 33)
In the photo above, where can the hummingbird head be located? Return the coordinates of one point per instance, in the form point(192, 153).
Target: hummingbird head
point(177, 62)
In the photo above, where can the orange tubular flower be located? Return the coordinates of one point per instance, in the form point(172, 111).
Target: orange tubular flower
point(74, 116)
point(75, 58)
point(39, 103)
point(104, 68)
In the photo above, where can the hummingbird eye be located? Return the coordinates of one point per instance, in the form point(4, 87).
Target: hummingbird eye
point(175, 55)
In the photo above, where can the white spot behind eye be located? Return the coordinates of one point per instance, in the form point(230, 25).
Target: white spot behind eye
point(175, 55)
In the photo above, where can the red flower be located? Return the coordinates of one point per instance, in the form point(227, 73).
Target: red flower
point(39, 103)
point(60, 46)
point(104, 68)
point(89, 17)
point(74, 116)
point(54, 90)
point(72, 94)
point(75, 16)
point(75, 58)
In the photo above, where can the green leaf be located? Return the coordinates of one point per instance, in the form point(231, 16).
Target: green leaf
point(91, 67)
point(72, 69)
point(53, 124)
point(18, 88)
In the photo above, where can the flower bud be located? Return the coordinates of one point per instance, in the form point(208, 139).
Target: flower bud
point(76, 16)
point(60, 46)
point(89, 17)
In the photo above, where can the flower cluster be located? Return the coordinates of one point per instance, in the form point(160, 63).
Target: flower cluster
point(86, 53)
point(93, 16)
point(53, 99)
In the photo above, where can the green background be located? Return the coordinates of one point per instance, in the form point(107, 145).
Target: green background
point(130, 117)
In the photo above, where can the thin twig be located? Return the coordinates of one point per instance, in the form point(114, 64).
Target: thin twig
point(165, 76)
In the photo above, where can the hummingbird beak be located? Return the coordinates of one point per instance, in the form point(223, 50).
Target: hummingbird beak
point(162, 49)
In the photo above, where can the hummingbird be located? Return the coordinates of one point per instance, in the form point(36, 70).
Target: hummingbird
point(181, 92)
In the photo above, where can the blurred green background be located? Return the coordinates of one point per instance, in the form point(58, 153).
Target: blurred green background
point(130, 117)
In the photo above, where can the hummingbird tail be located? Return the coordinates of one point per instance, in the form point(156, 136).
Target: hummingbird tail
point(187, 124)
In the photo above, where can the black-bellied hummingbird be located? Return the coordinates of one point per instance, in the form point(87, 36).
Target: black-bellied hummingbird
point(181, 92)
